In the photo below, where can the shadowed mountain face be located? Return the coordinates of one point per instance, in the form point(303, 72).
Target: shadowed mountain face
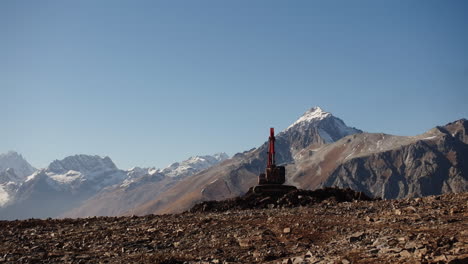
point(429, 164)
point(379, 165)
point(389, 166)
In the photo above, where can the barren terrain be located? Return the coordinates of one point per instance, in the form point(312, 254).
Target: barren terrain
point(433, 229)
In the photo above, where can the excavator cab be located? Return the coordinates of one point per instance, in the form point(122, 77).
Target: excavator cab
point(275, 175)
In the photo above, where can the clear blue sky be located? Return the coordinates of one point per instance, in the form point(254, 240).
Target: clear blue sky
point(152, 82)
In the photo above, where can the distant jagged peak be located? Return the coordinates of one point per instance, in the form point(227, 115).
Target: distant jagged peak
point(137, 172)
point(217, 157)
point(316, 113)
point(203, 158)
point(82, 163)
point(221, 156)
point(193, 164)
point(316, 127)
point(140, 169)
point(11, 153)
point(15, 161)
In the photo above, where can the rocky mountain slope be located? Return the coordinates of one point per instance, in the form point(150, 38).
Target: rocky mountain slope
point(233, 177)
point(320, 150)
point(389, 166)
point(420, 230)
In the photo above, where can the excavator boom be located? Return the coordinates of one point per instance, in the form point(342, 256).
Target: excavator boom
point(271, 149)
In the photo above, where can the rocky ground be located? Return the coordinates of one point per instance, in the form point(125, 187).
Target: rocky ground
point(295, 198)
point(424, 230)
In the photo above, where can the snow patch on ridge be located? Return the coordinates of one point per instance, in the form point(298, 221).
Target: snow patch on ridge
point(31, 177)
point(177, 170)
point(68, 177)
point(193, 165)
point(4, 197)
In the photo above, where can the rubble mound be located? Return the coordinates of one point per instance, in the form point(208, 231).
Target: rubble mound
point(291, 199)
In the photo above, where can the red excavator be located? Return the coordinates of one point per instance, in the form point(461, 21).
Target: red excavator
point(274, 177)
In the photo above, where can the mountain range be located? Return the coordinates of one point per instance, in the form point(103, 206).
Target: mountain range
point(318, 150)
point(69, 183)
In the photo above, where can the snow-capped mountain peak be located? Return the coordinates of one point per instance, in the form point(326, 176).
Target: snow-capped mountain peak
point(314, 114)
point(69, 182)
point(16, 162)
point(73, 172)
point(137, 172)
point(221, 156)
point(315, 128)
point(176, 170)
point(193, 165)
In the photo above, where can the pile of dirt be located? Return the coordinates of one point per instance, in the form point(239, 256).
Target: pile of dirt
point(291, 199)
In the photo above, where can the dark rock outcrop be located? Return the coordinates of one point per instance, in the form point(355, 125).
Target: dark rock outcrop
point(292, 199)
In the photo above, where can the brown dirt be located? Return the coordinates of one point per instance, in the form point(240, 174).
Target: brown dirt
point(423, 230)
